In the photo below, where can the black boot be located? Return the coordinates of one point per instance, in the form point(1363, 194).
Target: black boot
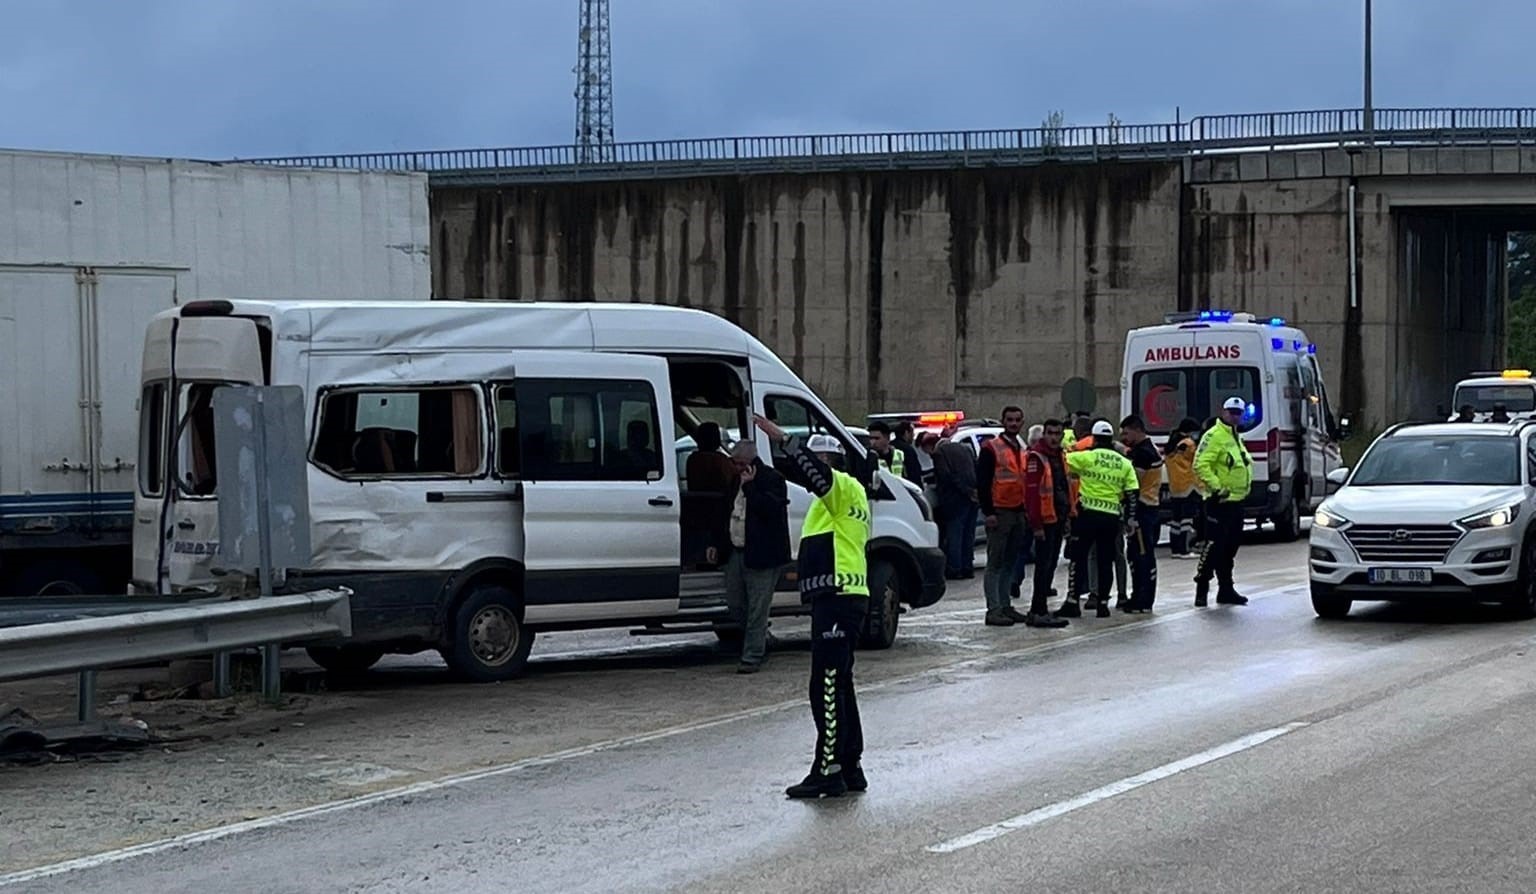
point(1015, 614)
point(854, 778)
point(1103, 608)
point(816, 785)
point(1070, 609)
point(999, 619)
point(1202, 593)
point(1046, 620)
point(1229, 596)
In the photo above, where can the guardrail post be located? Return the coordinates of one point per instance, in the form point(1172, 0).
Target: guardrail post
point(221, 688)
point(85, 701)
point(272, 673)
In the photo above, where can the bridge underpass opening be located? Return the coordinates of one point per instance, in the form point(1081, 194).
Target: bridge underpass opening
point(1454, 312)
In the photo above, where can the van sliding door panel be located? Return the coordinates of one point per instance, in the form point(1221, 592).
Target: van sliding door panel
point(599, 486)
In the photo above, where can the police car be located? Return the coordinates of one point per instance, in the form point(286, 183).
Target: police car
point(1486, 391)
point(1432, 510)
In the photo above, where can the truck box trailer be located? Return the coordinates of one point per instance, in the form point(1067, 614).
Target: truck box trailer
point(91, 248)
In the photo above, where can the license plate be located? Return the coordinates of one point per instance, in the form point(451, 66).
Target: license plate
point(1402, 576)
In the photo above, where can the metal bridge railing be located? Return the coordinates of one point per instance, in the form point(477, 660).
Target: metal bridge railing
point(756, 154)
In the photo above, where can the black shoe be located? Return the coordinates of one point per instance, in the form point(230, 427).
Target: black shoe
point(749, 667)
point(1070, 609)
point(1122, 603)
point(853, 777)
point(999, 619)
point(1230, 597)
point(1202, 593)
point(1015, 614)
point(816, 785)
point(1091, 604)
point(1103, 610)
point(1049, 622)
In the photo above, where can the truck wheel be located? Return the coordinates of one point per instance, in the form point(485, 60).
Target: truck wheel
point(884, 606)
point(55, 577)
point(489, 642)
point(1327, 605)
point(345, 660)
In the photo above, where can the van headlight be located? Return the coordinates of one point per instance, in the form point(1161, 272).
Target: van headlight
point(1497, 518)
point(1323, 518)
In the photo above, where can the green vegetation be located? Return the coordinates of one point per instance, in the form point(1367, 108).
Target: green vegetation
point(1521, 345)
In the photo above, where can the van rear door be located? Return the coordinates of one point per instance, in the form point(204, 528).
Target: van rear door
point(598, 485)
point(208, 353)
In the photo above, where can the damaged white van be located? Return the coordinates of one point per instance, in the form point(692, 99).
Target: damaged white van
point(482, 471)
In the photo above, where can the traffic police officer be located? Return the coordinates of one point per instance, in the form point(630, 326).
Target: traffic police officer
point(1106, 495)
point(1225, 468)
point(832, 573)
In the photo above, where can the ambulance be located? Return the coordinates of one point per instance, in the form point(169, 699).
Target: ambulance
point(1194, 361)
point(1485, 392)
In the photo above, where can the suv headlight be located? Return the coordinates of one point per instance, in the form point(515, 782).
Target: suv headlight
point(1324, 518)
point(1497, 518)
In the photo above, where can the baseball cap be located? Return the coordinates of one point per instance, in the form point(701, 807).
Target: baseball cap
point(824, 444)
point(1102, 428)
point(1235, 403)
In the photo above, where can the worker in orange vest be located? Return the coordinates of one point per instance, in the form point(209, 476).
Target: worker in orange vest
point(1050, 498)
point(1000, 492)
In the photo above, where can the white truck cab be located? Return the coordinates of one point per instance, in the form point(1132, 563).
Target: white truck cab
point(1486, 391)
point(480, 471)
point(1187, 366)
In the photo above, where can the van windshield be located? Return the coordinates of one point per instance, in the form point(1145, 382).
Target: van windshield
point(1166, 395)
point(1486, 398)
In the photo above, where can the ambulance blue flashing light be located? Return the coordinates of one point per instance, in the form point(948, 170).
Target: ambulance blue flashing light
point(1311, 349)
point(1249, 412)
point(1216, 316)
point(1276, 321)
point(1277, 344)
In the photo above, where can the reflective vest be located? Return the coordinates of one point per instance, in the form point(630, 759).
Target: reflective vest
point(1223, 464)
point(1047, 495)
point(1181, 469)
point(1106, 478)
point(897, 463)
point(1007, 474)
point(834, 539)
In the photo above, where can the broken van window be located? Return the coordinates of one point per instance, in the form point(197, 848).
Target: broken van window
point(404, 432)
point(152, 440)
point(197, 471)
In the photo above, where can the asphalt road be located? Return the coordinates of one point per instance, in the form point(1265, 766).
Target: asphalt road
point(1222, 749)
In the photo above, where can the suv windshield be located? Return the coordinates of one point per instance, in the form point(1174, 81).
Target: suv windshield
point(1418, 460)
point(1483, 398)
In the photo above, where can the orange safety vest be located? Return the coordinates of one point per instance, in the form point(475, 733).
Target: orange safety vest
point(1048, 492)
point(1008, 474)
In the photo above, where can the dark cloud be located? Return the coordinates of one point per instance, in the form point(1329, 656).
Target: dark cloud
point(220, 78)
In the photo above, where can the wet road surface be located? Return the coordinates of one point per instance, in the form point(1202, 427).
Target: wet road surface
point(1254, 749)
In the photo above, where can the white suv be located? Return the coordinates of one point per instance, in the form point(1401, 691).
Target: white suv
point(1432, 510)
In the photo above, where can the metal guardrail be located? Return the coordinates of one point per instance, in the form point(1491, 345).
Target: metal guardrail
point(87, 644)
point(978, 148)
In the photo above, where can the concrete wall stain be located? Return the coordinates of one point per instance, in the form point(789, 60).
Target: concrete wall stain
point(682, 263)
point(797, 268)
point(875, 289)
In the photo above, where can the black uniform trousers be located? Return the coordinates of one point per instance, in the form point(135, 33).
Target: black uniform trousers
point(1142, 550)
point(835, 624)
point(1099, 529)
point(1224, 534)
point(1047, 555)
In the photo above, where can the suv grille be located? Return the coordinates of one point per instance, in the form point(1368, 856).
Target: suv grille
point(1402, 543)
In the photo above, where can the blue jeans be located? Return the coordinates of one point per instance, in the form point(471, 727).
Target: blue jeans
point(960, 538)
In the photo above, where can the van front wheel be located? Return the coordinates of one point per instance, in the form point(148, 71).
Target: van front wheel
point(884, 606)
point(489, 641)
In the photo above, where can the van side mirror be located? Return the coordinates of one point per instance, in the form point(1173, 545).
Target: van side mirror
point(1337, 477)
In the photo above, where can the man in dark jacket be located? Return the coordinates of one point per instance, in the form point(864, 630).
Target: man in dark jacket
point(755, 546)
point(954, 478)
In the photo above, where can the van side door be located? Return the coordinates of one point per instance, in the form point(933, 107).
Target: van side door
point(598, 486)
point(1316, 436)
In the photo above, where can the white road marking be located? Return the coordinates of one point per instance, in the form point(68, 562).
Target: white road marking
point(1104, 793)
point(106, 858)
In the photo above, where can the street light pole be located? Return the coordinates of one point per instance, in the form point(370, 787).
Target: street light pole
point(1370, 113)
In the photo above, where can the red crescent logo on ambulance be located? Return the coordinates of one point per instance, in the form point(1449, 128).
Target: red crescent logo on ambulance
point(1160, 406)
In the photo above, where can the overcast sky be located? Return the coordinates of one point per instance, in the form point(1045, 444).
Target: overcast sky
point(225, 78)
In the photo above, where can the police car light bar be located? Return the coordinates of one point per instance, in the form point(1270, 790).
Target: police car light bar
point(1500, 374)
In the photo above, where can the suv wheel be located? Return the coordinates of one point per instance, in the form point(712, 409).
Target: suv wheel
point(1327, 605)
point(1521, 600)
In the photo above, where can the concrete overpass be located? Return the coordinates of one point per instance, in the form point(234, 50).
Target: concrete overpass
point(910, 270)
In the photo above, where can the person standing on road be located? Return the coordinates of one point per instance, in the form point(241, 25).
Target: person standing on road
point(954, 478)
point(755, 549)
point(1141, 541)
point(900, 459)
point(1226, 469)
point(1000, 491)
point(1183, 498)
point(1107, 485)
point(1050, 497)
point(833, 573)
